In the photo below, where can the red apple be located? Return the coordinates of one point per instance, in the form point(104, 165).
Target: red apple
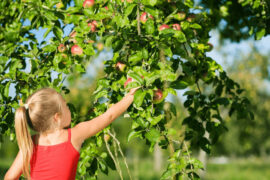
point(163, 26)
point(158, 95)
point(92, 25)
point(88, 3)
point(76, 50)
point(128, 81)
point(100, 46)
point(177, 27)
point(120, 66)
point(106, 7)
point(144, 16)
point(61, 48)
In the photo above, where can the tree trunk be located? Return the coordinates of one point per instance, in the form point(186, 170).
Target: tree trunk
point(157, 158)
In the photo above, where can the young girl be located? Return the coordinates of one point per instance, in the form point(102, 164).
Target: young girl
point(53, 153)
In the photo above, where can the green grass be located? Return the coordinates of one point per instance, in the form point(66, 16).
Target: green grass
point(240, 169)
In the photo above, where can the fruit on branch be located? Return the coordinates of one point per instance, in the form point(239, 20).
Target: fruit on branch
point(120, 66)
point(100, 46)
point(158, 96)
point(93, 25)
point(145, 16)
point(210, 47)
point(59, 5)
point(163, 26)
point(180, 16)
point(191, 18)
point(107, 137)
point(176, 27)
point(72, 37)
point(129, 1)
point(61, 48)
point(129, 80)
point(76, 50)
point(88, 3)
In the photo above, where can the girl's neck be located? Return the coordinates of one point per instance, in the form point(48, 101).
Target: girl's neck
point(51, 137)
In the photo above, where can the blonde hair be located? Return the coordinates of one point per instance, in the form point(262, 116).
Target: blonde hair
point(42, 106)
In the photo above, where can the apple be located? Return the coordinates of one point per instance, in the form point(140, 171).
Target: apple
point(64, 55)
point(180, 15)
point(88, 3)
point(100, 46)
point(76, 50)
point(90, 41)
point(59, 5)
point(210, 47)
point(120, 66)
point(106, 7)
point(158, 95)
point(128, 81)
point(130, 1)
point(107, 137)
point(72, 36)
point(93, 25)
point(191, 18)
point(61, 48)
point(177, 27)
point(163, 26)
point(144, 18)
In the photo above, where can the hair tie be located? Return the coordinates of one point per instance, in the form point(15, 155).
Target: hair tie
point(26, 106)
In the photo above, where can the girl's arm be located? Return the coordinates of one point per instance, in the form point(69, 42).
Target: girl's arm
point(15, 169)
point(87, 129)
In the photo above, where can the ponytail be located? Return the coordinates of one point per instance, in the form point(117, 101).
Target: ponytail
point(24, 138)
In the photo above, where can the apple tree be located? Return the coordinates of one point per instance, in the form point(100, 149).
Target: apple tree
point(158, 45)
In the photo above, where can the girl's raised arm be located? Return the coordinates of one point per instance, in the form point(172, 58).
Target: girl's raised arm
point(89, 128)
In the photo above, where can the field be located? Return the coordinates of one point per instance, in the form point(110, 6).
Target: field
point(240, 169)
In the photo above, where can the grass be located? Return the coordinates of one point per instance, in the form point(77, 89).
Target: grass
point(238, 169)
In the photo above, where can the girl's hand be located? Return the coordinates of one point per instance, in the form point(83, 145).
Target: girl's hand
point(133, 90)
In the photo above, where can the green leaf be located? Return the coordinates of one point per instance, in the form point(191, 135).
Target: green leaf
point(109, 40)
point(150, 78)
point(150, 26)
point(139, 97)
point(153, 135)
point(89, 50)
point(195, 26)
point(49, 48)
point(135, 77)
point(129, 9)
point(135, 58)
point(167, 75)
point(179, 85)
point(58, 32)
point(180, 36)
point(132, 134)
point(6, 90)
point(260, 34)
point(156, 119)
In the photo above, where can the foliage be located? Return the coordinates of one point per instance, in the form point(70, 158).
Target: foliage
point(167, 60)
point(250, 137)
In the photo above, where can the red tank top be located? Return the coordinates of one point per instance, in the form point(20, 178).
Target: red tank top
point(55, 162)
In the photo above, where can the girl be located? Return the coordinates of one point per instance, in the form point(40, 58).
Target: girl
point(53, 153)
